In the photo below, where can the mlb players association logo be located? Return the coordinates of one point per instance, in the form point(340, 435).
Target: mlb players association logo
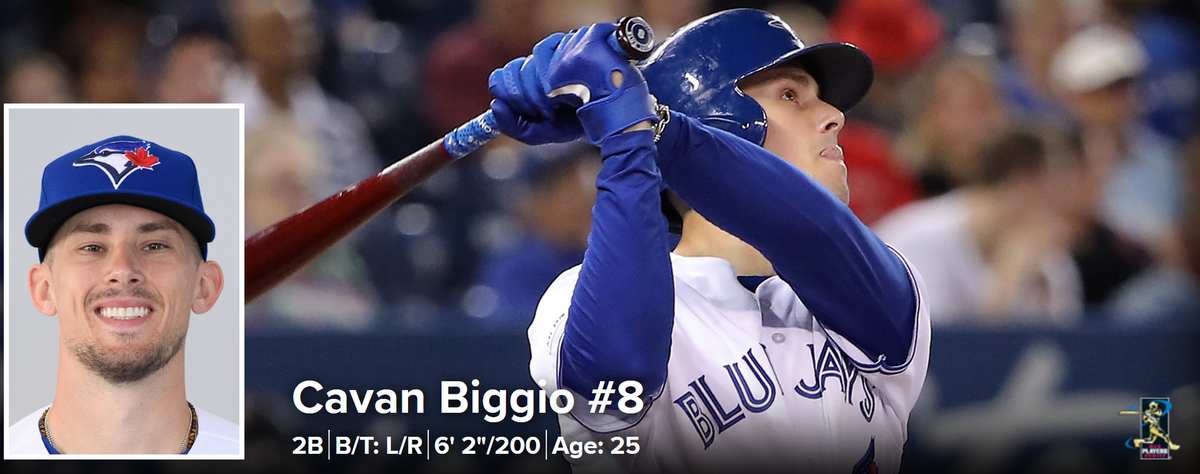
point(119, 159)
point(1154, 441)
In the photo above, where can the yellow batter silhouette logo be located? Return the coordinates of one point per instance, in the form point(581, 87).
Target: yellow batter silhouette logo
point(1155, 440)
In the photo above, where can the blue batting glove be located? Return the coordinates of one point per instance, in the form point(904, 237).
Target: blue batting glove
point(519, 82)
point(522, 108)
point(563, 127)
point(586, 58)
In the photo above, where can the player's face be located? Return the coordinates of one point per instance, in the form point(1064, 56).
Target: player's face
point(801, 128)
point(123, 281)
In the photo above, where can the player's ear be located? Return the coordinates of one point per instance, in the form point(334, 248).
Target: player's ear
point(40, 291)
point(208, 287)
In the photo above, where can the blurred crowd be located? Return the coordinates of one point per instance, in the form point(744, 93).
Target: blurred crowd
point(1038, 161)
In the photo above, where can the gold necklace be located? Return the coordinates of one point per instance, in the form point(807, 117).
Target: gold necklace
point(188, 440)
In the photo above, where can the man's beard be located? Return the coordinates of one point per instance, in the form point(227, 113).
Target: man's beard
point(126, 365)
point(119, 366)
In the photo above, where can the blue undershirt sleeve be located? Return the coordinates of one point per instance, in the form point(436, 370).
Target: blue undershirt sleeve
point(622, 309)
point(848, 278)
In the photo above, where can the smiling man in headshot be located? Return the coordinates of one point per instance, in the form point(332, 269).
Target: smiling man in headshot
point(122, 239)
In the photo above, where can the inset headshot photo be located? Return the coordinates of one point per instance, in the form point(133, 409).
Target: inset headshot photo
point(123, 315)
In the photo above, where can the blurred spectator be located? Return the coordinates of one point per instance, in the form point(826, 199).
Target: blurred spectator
point(1169, 89)
point(878, 184)
point(38, 78)
point(278, 46)
point(554, 198)
point(283, 169)
point(955, 109)
point(108, 40)
point(958, 15)
point(302, 145)
point(666, 16)
point(566, 15)
point(809, 23)
point(1036, 29)
point(1095, 73)
point(899, 36)
point(195, 70)
point(458, 64)
point(997, 252)
point(372, 60)
point(1171, 292)
point(1107, 261)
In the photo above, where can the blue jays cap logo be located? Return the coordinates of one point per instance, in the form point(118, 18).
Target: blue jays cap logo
point(119, 159)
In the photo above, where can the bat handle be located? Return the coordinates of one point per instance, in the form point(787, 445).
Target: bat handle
point(633, 37)
point(469, 136)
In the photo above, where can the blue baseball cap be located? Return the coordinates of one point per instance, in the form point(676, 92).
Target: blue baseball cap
point(120, 170)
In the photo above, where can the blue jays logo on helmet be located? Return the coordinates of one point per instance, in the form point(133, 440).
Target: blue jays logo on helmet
point(119, 159)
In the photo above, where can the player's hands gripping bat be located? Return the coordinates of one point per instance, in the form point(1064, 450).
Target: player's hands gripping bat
point(523, 107)
point(611, 94)
point(276, 252)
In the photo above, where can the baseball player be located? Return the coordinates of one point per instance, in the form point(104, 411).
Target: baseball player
point(1153, 417)
point(780, 334)
point(122, 237)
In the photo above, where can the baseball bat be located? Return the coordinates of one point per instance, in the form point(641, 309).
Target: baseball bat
point(280, 250)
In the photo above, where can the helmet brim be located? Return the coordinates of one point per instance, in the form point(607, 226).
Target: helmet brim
point(843, 72)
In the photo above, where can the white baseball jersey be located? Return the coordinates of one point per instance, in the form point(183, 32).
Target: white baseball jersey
point(754, 383)
point(214, 435)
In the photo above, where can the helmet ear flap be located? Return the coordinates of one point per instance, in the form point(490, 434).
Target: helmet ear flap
point(743, 117)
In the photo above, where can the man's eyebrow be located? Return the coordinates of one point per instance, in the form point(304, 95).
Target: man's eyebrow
point(104, 229)
point(86, 228)
point(158, 225)
point(803, 78)
point(798, 75)
point(779, 73)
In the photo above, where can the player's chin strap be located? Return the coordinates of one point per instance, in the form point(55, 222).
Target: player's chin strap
point(664, 116)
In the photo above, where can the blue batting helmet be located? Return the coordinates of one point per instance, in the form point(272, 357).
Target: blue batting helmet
point(697, 69)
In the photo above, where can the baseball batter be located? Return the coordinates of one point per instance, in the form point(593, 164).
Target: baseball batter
point(780, 334)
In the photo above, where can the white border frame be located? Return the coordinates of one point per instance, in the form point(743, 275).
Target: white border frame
point(240, 290)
